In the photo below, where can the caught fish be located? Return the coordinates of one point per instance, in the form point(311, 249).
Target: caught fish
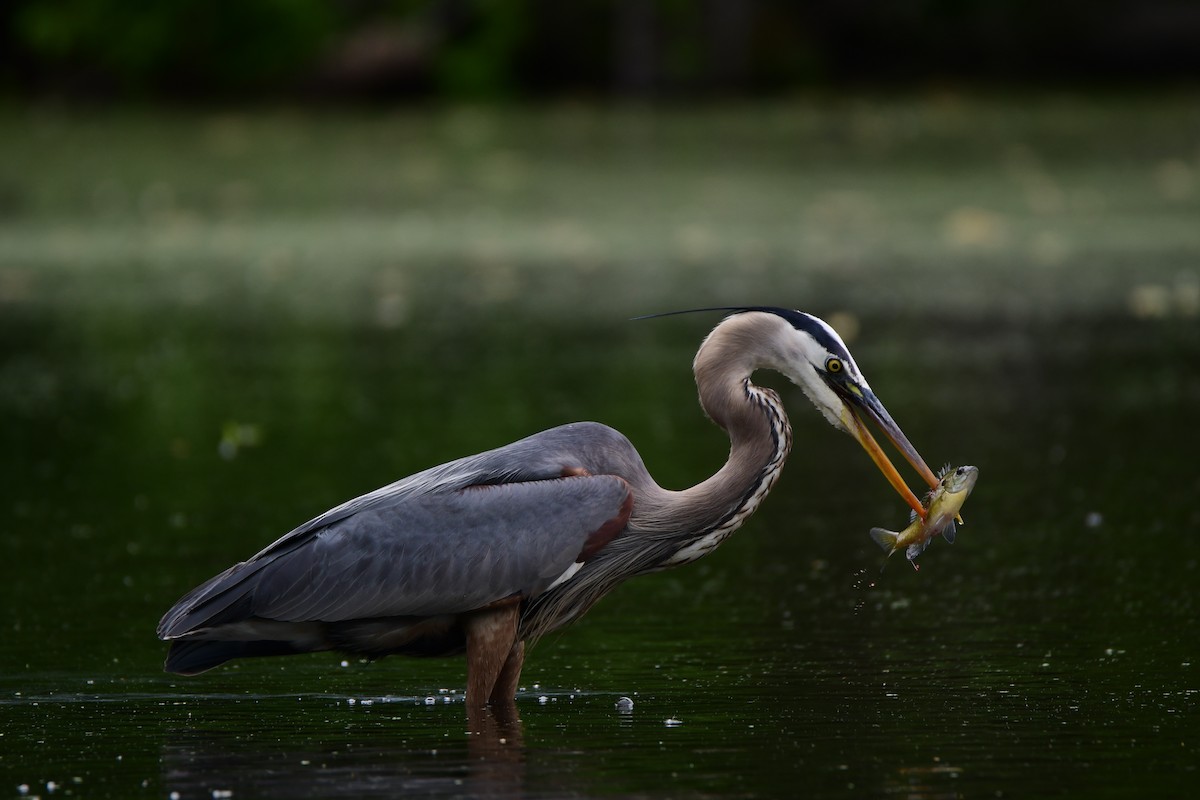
point(941, 508)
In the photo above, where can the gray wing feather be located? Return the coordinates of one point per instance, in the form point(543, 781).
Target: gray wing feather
point(415, 556)
point(411, 519)
point(539, 457)
point(441, 554)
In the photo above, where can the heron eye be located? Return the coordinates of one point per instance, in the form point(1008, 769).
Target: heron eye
point(833, 365)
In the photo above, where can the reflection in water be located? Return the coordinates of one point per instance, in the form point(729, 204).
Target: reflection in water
point(924, 782)
point(488, 763)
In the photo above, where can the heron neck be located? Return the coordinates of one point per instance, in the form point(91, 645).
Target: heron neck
point(759, 434)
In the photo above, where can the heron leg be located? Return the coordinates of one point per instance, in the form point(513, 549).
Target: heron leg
point(510, 675)
point(501, 709)
point(492, 647)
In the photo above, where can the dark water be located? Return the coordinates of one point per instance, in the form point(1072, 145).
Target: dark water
point(200, 350)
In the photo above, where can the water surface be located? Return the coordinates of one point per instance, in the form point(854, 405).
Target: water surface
point(216, 326)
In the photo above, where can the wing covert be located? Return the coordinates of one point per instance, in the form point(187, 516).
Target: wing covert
point(441, 553)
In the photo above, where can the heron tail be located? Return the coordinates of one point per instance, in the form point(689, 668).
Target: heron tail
point(193, 656)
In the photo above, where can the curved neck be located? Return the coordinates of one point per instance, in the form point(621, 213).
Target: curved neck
point(673, 528)
point(759, 434)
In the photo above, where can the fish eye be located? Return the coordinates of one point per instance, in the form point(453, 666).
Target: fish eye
point(833, 365)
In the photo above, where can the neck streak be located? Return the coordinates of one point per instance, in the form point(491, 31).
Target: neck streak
point(759, 433)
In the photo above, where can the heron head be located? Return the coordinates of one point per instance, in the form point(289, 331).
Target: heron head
point(814, 357)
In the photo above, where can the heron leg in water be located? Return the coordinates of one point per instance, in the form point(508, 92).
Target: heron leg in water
point(494, 656)
point(510, 675)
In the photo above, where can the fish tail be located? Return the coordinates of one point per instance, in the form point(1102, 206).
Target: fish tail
point(885, 539)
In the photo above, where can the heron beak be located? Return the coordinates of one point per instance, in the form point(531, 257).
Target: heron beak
point(863, 402)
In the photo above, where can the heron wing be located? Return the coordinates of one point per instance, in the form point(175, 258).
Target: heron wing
point(547, 455)
point(437, 553)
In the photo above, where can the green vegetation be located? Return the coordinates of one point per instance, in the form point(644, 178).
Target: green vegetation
point(146, 45)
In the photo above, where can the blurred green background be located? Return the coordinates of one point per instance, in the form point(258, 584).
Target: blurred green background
point(258, 258)
point(493, 50)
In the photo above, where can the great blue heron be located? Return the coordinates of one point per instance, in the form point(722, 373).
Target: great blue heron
point(493, 550)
